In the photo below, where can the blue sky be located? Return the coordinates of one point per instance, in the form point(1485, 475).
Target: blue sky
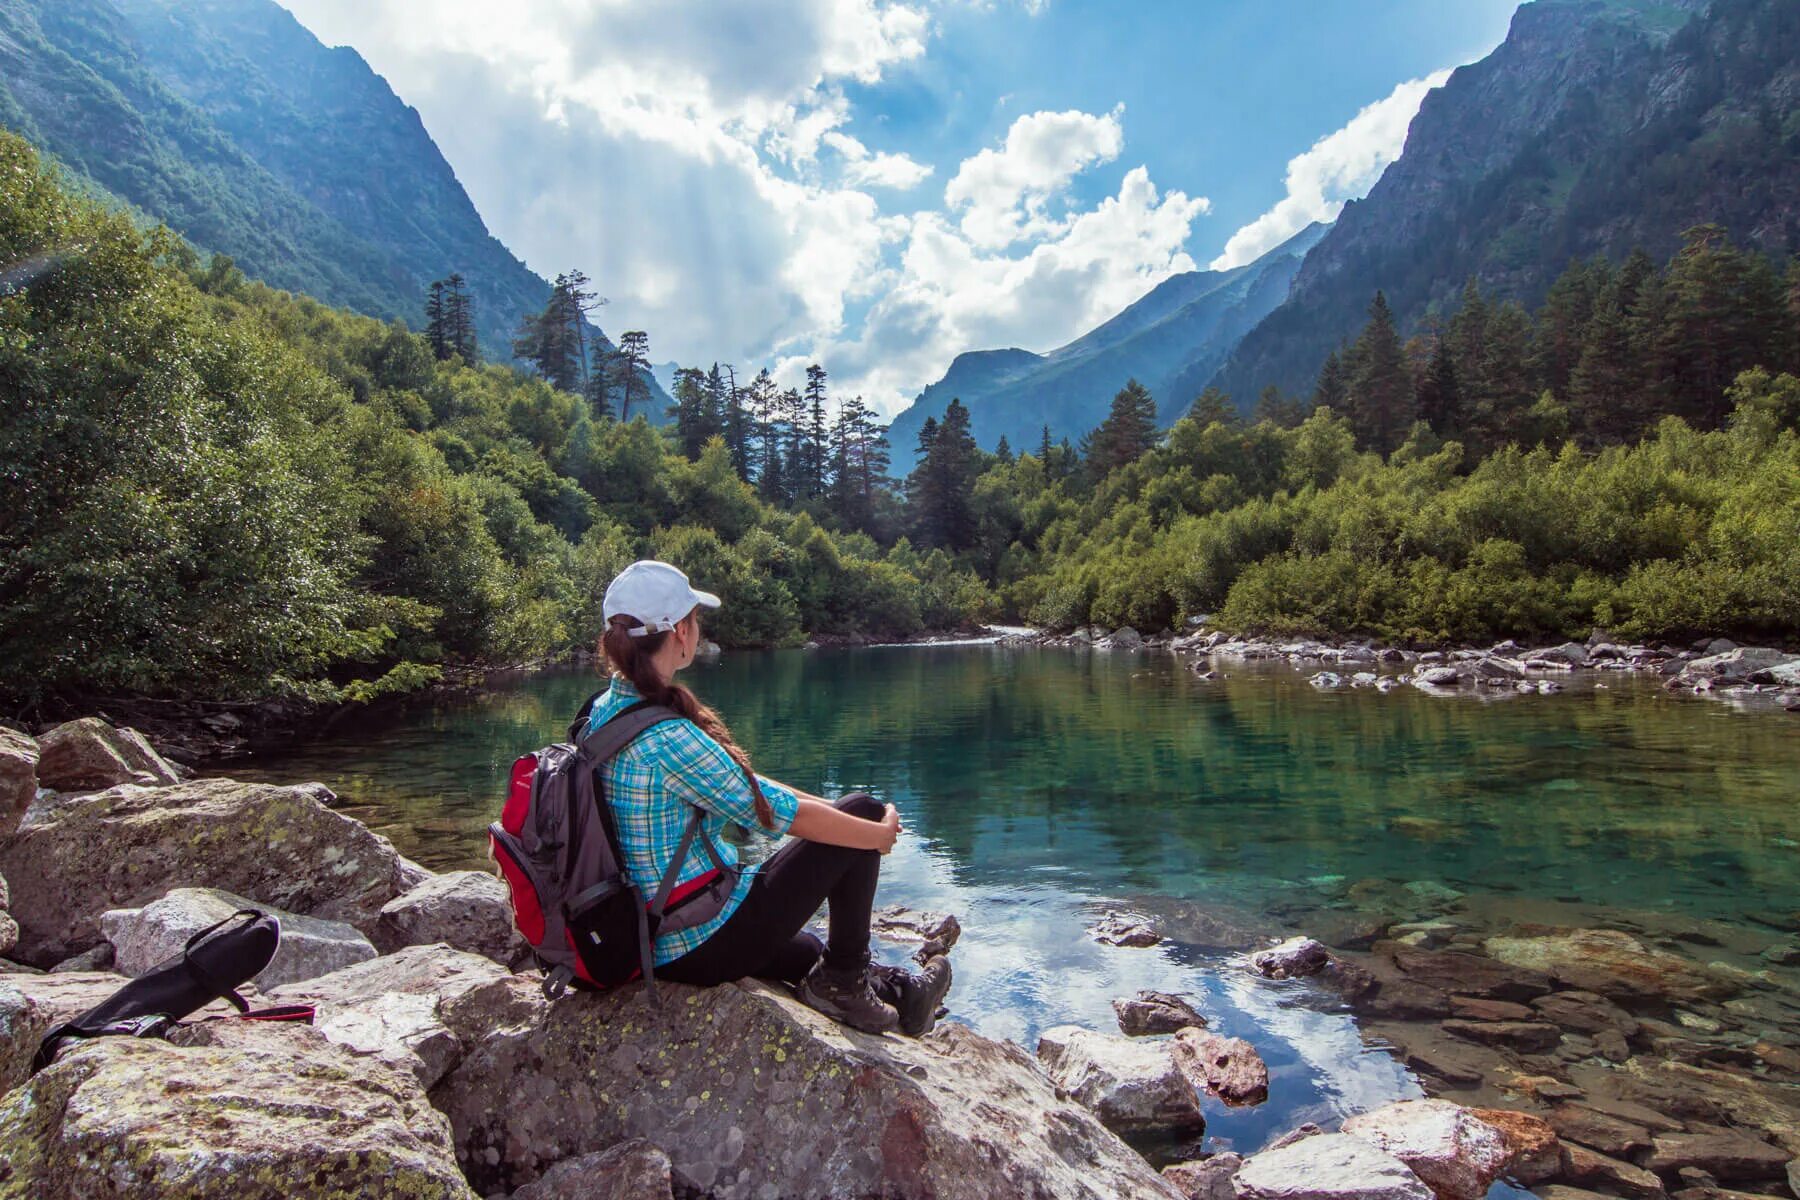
point(881, 184)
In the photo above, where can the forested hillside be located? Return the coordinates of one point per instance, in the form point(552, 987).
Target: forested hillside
point(1597, 127)
point(211, 487)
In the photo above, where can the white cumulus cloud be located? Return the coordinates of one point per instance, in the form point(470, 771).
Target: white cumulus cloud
point(1339, 167)
point(863, 168)
point(1003, 193)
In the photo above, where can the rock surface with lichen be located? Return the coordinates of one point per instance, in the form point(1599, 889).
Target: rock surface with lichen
point(750, 1094)
point(279, 845)
point(245, 1110)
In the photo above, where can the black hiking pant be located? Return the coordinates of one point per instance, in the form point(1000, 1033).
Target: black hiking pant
point(766, 937)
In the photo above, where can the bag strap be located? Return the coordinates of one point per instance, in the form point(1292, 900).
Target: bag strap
point(223, 990)
point(605, 743)
point(578, 727)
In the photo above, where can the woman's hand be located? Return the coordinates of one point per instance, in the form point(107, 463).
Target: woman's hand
point(890, 829)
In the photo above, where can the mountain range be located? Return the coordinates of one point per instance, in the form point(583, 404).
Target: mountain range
point(1171, 340)
point(1598, 127)
point(231, 123)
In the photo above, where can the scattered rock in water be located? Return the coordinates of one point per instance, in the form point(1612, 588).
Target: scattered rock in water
point(936, 931)
point(773, 1093)
point(276, 845)
point(1124, 929)
point(1438, 677)
point(246, 1109)
point(1471, 974)
point(1604, 1132)
point(1455, 1152)
point(1204, 926)
point(1207, 1178)
point(1611, 963)
point(1150, 1013)
point(1585, 1012)
point(1125, 638)
point(1590, 1167)
point(145, 937)
point(1735, 663)
point(469, 910)
point(1783, 954)
point(18, 778)
point(1331, 1166)
point(634, 1170)
point(1327, 680)
point(1475, 1008)
point(1525, 1037)
point(1292, 959)
point(1132, 1086)
point(1727, 1155)
point(1228, 1068)
point(1534, 1152)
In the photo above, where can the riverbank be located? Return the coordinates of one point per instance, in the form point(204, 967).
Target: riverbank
point(1709, 667)
point(1572, 1047)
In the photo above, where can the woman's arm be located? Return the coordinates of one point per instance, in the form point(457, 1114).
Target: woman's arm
point(820, 821)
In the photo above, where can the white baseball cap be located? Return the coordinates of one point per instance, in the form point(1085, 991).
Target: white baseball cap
point(656, 593)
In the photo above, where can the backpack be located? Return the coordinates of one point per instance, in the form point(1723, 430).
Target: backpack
point(557, 847)
point(212, 966)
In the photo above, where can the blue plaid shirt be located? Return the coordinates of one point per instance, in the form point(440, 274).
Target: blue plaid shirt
point(650, 786)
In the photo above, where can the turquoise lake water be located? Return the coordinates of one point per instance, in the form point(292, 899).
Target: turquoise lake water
point(1041, 786)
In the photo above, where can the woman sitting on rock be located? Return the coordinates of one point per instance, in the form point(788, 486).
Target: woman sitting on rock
point(652, 632)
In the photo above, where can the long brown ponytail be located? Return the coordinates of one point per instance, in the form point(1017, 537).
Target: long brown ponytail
point(630, 658)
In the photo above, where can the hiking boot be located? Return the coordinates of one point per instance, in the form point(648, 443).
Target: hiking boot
point(916, 995)
point(844, 994)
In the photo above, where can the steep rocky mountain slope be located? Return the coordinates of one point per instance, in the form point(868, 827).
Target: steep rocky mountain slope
point(1597, 127)
point(230, 122)
point(1171, 340)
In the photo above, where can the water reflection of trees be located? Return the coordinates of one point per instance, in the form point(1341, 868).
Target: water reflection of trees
point(1127, 774)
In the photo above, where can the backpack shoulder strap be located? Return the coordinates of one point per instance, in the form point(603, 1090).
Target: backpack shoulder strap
point(578, 727)
point(604, 743)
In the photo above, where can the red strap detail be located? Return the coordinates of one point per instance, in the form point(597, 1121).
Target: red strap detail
point(527, 914)
point(581, 971)
point(282, 1012)
point(518, 794)
point(683, 890)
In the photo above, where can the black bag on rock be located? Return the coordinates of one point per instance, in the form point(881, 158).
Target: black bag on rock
point(212, 966)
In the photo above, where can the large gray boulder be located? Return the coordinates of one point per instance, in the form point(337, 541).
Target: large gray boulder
point(9, 929)
point(126, 846)
point(408, 1009)
point(143, 937)
point(18, 778)
point(33, 1005)
point(87, 754)
point(1133, 1086)
point(1455, 1152)
point(466, 909)
point(1737, 663)
point(1151, 1012)
point(1328, 1166)
point(252, 1111)
point(750, 1093)
point(633, 1170)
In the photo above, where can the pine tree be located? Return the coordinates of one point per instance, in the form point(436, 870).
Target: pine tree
point(630, 361)
point(1564, 315)
point(1127, 433)
point(1381, 391)
point(1438, 398)
point(739, 425)
point(1213, 406)
point(1044, 448)
point(1333, 386)
point(1603, 401)
point(1506, 394)
point(1468, 339)
point(941, 488)
point(761, 400)
point(689, 411)
point(459, 320)
point(437, 329)
point(555, 340)
point(860, 449)
point(1278, 409)
point(1003, 452)
point(817, 450)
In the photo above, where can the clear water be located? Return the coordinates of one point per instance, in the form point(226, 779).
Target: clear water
point(1039, 786)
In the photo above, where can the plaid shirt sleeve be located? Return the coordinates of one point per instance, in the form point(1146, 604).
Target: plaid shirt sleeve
point(698, 770)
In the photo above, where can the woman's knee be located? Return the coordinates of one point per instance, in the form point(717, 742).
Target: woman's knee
point(861, 804)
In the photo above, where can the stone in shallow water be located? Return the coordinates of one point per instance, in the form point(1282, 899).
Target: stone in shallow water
point(900, 924)
point(1331, 1166)
point(1727, 1155)
point(1132, 1086)
point(1206, 1179)
point(1608, 1134)
point(1609, 962)
point(1455, 1152)
point(1582, 1165)
point(1471, 974)
point(1534, 1152)
point(1155, 1012)
point(1291, 959)
point(1124, 929)
point(1229, 1068)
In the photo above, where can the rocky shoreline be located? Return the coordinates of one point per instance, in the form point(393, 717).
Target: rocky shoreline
point(1712, 667)
point(1581, 1061)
